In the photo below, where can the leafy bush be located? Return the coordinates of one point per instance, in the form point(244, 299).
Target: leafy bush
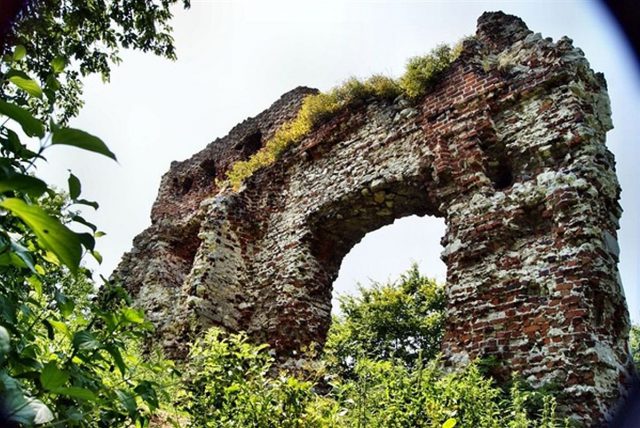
point(389, 394)
point(400, 320)
point(383, 87)
point(229, 382)
point(421, 73)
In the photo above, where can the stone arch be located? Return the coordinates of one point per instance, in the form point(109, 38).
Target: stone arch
point(508, 148)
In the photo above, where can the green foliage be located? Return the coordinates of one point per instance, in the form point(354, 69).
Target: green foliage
point(420, 75)
point(49, 237)
point(380, 379)
point(353, 90)
point(229, 383)
point(388, 394)
point(634, 344)
point(66, 359)
point(401, 320)
point(59, 41)
point(423, 71)
point(383, 87)
point(70, 355)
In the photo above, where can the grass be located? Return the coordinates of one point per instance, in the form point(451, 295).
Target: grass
point(421, 74)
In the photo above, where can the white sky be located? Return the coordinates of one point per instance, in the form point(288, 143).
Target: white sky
point(237, 57)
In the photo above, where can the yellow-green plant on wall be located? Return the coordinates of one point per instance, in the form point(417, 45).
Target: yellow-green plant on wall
point(422, 71)
point(421, 74)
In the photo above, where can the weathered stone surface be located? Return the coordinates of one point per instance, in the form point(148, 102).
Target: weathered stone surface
point(509, 148)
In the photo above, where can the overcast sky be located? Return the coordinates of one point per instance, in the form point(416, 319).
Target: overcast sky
point(236, 57)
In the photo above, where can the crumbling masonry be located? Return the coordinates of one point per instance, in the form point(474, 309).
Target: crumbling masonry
point(509, 148)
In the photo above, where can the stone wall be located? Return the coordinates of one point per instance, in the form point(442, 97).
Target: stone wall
point(509, 148)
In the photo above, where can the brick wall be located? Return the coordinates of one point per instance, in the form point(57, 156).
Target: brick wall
point(508, 147)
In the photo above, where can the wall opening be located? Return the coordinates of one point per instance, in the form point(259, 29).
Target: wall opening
point(250, 144)
point(384, 254)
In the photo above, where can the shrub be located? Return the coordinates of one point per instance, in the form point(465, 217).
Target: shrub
point(351, 91)
point(383, 87)
point(400, 320)
point(423, 71)
point(227, 384)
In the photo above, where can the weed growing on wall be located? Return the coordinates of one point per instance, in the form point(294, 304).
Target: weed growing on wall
point(421, 74)
point(422, 71)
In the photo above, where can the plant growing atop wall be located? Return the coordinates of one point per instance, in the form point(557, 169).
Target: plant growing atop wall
point(421, 74)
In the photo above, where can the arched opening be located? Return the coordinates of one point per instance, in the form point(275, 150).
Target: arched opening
point(336, 228)
point(386, 253)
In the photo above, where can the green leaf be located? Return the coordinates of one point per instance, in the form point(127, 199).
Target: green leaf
point(12, 143)
point(65, 304)
point(76, 392)
point(30, 125)
point(30, 86)
point(133, 315)
point(81, 139)
point(87, 240)
point(84, 341)
point(51, 86)
point(60, 326)
point(18, 257)
point(81, 220)
point(128, 401)
point(50, 232)
point(15, 404)
point(88, 203)
point(32, 186)
point(58, 64)
point(96, 255)
point(449, 423)
point(50, 333)
point(19, 53)
point(99, 234)
point(117, 358)
point(36, 284)
point(74, 414)
point(146, 390)
point(74, 186)
point(5, 342)
point(52, 377)
point(42, 413)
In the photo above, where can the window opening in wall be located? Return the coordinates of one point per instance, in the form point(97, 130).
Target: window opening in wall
point(388, 252)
